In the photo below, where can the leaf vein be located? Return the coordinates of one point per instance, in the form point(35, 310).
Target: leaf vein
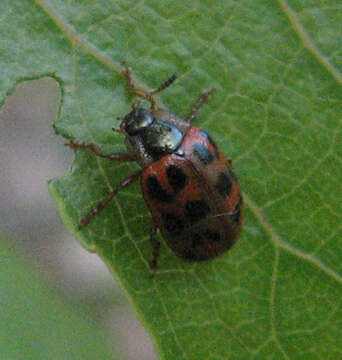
point(279, 242)
point(307, 42)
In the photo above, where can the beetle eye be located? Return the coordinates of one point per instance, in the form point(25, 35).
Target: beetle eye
point(137, 120)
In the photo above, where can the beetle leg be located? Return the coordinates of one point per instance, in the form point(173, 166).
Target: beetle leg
point(96, 150)
point(127, 73)
point(199, 102)
point(102, 204)
point(155, 249)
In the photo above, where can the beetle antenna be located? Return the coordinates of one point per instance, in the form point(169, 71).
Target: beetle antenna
point(165, 84)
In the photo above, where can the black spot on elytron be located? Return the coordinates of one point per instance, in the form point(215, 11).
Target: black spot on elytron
point(212, 236)
point(156, 191)
point(237, 211)
point(202, 153)
point(176, 178)
point(207, 137)
point(196, 240)
point(223, 184)
point(196, 210)
point(173, 224)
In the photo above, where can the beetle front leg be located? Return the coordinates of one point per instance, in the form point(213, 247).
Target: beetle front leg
point(127, 73)
point(96, 150)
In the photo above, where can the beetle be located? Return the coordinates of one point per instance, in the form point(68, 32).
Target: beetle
point(188, 184)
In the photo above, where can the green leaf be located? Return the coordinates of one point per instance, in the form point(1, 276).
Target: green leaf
point(277, 113)
point(35, 324)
